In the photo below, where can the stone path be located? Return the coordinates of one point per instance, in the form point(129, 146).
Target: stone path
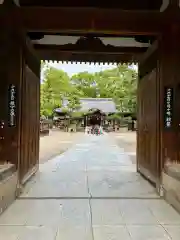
point(91, 192)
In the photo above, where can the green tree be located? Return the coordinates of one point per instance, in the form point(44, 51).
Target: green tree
point(73, 103)
point(119, 83)
point(54, 89)
point(85, 83)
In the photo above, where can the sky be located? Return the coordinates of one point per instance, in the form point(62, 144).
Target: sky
point(73, 68)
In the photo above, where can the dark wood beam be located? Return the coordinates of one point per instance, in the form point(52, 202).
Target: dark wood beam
point(72, 48)
point(127, 4)
point(150, 51)
point(83, 20)
point(173, 9)
point(174, 3)
point(149, 59)
point(55, 55)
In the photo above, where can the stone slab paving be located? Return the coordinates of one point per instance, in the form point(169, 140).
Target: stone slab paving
point(90, 192)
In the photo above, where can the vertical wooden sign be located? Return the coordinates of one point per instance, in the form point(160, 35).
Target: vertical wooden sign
point(12, 106)
point(168, 107)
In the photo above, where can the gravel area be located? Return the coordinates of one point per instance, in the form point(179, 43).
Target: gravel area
point(56, 143)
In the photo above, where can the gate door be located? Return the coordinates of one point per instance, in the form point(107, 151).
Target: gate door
point(148, 133)
point(30, 113)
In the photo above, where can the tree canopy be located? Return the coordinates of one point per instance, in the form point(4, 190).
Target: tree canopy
point(119, 83)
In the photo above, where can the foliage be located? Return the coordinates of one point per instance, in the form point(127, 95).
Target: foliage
point(119, 83)
point(86, 83)
point(114, 117)
point(73, 103)
point(53, 89)
point(77, 114)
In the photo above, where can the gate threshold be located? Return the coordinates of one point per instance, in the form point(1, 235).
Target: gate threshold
point(89, 198)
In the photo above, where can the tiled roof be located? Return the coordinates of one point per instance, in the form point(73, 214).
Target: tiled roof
point(105, 105)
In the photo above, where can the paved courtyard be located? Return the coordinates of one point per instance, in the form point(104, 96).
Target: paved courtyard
point(91, 192)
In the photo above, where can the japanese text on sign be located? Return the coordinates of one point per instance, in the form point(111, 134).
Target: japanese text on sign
point(12, 105)
point(168, 107)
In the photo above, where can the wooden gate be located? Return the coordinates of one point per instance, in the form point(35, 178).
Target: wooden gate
point(19, 95)
point(30, 114)
point(148, 135)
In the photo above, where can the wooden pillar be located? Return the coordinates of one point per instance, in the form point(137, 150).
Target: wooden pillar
point(85, 123)
point(10, 89)
point(170, 95)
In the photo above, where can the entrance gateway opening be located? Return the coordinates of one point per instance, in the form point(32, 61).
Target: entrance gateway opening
point(144, 32)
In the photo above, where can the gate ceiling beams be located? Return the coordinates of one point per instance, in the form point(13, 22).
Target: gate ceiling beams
point(56, 19)
point(88, 57)
point(59, 53)
point(105, 49)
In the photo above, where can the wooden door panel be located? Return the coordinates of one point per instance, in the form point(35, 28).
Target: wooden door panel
point(30, 115)
point(148, 123)
point(30, 122)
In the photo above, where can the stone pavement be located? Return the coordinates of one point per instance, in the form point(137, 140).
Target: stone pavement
point(91, 192)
